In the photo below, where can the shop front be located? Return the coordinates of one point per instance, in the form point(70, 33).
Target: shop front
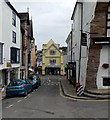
point(52, 70)
point(71, 72)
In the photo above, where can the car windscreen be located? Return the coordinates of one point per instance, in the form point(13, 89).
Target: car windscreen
point(16, 83)
point(32, 81)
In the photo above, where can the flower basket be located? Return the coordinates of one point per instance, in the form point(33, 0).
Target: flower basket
point(105, 65)
point(77, 84)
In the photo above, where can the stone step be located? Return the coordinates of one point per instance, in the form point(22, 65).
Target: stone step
point(96, 96)
point(98, 92)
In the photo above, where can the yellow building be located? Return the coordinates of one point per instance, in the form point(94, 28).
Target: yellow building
point(52, 59)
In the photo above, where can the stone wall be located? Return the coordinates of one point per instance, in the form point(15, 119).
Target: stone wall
point(97, 29)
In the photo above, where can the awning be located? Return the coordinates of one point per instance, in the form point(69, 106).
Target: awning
point(53, 66)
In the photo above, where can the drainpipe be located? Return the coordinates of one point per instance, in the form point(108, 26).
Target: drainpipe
point(71, 41)
point(79, 70)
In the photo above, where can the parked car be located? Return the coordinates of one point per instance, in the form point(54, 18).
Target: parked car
point(35, 81)
point(18, 87)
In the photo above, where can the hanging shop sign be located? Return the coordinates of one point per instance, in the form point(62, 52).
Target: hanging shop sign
point(101, 40)
point(84, 39)
point(71, 65)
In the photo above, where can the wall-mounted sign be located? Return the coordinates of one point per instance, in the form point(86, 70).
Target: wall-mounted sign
point(84, 39)
point(71, 65)
point(101, 41)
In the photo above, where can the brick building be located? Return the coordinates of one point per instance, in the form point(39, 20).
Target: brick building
point(91, 44)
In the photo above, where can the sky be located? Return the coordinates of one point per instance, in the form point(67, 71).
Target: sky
point(51, 19)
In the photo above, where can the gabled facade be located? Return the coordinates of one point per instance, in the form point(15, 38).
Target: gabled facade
point(52, 59)
point(90, 43)
point(9, 43)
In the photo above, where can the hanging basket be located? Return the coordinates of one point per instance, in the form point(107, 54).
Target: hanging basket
point(105, 65)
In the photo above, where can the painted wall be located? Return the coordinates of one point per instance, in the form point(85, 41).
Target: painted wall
point(1, 22)
point(8, 28)
point(46, 56)
point(76, 37)
point(88, 15)
point(68, 41)
point(101, 71)
point(6, 37)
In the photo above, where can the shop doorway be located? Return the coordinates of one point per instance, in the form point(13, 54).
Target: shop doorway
point(5, 77)
point(52, 71)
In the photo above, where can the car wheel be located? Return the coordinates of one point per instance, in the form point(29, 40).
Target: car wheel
point(32, 90)
point(25, 94)
point(40, 84)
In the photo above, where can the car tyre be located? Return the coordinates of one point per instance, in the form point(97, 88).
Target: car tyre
point(26, 93)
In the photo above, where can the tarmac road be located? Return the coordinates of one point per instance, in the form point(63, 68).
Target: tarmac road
point(47, 102)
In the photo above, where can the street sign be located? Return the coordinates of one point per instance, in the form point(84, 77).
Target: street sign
point(84, 39)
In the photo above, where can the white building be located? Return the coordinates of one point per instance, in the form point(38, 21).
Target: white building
point(9, 43)
point(69, 43)
point(89, 26)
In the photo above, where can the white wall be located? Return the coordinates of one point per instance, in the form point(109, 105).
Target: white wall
point(76, 36)
point(102, 72)
point(68, 41)
point(88, 15)
point(0, 22)
point(7, 31)
point(6, 35)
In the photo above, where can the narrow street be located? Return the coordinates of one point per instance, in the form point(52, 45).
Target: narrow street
point(47, 102)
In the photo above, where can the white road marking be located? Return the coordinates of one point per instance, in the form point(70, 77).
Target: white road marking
point(19, 101)
point(10, 106)
point(49, 80)
point(25, 97)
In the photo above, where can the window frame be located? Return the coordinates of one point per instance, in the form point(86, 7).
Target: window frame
point(15, 55)
point(1, 53)
point(13, 18)
point(52, 61)
point(13, 36)
point(52, 52)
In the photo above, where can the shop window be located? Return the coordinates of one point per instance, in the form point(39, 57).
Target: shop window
point(106, 81)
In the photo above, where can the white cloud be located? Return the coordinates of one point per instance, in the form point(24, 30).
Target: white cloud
point(51, 19)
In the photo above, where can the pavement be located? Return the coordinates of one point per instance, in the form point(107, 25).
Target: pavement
point(93, 94)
